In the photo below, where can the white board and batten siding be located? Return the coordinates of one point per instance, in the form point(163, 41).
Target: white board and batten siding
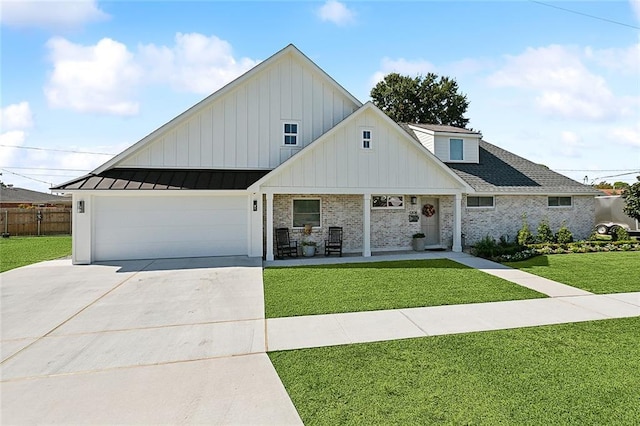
point(243, 128)
point(338, 163)
point(470, 147)
point(169, 226)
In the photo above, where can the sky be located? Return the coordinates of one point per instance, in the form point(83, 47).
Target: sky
point(555, 82)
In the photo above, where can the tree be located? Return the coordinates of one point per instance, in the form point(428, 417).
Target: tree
point(620, 185)
point(631, 197)
point(422, 99)
point(603, 185)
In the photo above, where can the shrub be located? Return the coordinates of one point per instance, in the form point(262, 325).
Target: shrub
point(564, 236)
point(524, 234)
point(545, 234)
point(486, 247)
point(620, 234)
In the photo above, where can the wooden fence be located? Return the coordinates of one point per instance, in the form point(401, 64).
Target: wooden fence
point(35, 221)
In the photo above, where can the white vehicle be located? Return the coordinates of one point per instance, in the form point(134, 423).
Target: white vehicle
point(610, 216)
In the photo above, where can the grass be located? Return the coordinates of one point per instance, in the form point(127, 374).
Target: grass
point(311, 290)
point(582, 374)
point(604, 272)
point(21, 251)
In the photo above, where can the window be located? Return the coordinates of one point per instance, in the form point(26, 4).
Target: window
point(366, 139)
point(559, 201)
point(387, 202)
point(456, 150)
point(479, 201)
point(306, 211)
point(290, 133)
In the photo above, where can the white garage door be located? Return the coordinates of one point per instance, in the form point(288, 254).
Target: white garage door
point(151, 227)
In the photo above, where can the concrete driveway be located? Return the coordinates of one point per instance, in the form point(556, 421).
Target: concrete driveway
point(164, 341)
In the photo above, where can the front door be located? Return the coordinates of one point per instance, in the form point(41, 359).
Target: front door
point(430, 220)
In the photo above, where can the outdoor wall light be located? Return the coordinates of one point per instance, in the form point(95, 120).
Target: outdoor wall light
point(414, 200)
point(255, 205)
point(81, 206)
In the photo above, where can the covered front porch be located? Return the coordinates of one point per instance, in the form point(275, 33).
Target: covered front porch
point(372, 223)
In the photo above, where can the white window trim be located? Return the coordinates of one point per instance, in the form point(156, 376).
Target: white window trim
point(404, 202)
point(306, 199)
point(570, 206)
point(297, 123)
point(362, 139)
point(491, 207)
point(451, 160)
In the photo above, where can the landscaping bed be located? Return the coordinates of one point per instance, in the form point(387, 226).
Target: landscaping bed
point(355, 287)
point(580, 373)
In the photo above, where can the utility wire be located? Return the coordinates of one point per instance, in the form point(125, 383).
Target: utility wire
point(611, 21)
point(27, 177)
point(82, 170)
point(56, 150)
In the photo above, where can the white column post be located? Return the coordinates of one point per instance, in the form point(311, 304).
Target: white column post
point(366, 224)
point(457, 223)
point(269, 226)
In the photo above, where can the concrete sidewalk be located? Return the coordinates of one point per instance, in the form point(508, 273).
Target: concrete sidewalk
point(566, 304)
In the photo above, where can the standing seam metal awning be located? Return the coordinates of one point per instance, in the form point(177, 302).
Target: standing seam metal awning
point(158, 179)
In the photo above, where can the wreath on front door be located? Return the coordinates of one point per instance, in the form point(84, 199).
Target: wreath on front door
point(428, 210)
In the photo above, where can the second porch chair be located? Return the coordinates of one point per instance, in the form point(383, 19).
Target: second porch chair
point(284, 246)
point(334, 243)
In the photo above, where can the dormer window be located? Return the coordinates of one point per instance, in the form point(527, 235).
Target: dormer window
point(456, 150)
point(366, 139)
point(291, 134)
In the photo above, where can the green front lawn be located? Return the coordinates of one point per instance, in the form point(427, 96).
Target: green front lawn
point(582, 374)
point(311, 290)
point(21, 251)
point(604, 272)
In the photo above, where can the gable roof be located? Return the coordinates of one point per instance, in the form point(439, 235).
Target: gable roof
point(369, 106)
point(10, 194)
point(158, 179)
point(500, 171)
point(290, 49)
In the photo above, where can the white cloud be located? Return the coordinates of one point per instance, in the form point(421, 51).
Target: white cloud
point(572, 145)
point(627, 136)
point(623, 60)
point(564, 85)
point(98, 78)
point(336, 12)
point(16, 117)
point(11, 139)
point(401, 66)
point(196, 63)
point(50, 13)
point(635, 6)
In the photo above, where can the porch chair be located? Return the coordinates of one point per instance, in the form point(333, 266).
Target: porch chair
point(284, 246)
point(334, 243)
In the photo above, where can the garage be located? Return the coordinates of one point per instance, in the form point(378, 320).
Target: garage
point(163, 226)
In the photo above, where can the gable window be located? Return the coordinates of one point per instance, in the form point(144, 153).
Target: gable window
point(456, 149)
point(387, 202)
point(366, 139)
point(559, 202)
point(291, 134)
point(306, 212)
point(475, 202)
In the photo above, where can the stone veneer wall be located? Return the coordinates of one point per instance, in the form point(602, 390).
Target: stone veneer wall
point(505, 218)
point(390, 229)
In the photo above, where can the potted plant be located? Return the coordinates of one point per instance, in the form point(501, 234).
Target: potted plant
point(419, 240)
point(308, 246)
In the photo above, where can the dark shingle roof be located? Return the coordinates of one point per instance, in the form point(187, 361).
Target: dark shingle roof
point(158, 179)
point(27, 196)
point(502, 171)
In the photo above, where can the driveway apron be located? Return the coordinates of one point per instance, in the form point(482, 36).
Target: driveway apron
point(156, 341)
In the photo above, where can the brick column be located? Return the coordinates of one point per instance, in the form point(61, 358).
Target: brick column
point(457, 223)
